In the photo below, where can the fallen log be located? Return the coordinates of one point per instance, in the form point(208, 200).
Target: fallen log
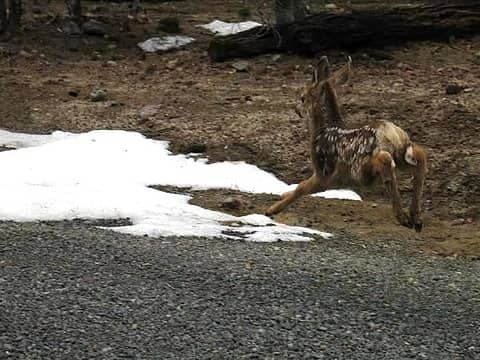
point(373, 28)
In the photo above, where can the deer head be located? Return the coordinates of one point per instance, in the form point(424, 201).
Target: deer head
point(319, 98)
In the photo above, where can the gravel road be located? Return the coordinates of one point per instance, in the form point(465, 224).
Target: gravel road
point(69, 290)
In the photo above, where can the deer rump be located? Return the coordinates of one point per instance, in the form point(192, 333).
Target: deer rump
point(362, 155)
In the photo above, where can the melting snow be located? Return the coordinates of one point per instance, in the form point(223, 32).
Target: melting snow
point(165, 43)
point(223, 28)
point(105, 174)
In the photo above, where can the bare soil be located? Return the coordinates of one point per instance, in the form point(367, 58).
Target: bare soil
point(249, 116)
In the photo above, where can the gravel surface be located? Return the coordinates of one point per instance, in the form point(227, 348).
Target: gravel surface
point(69, 290)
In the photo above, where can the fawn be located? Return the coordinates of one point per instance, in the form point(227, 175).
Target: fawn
point(362, 155)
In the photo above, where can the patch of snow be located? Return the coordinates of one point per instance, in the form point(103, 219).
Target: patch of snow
point(223, 28)
point(105, 174)
point(165, 43)
point(19, 140)
point(340, 194)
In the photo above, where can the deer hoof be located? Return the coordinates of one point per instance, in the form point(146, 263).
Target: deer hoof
point(418, 226)
point(416, 222)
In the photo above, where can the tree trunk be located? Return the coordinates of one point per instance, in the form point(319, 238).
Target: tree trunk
point(372, 28)
point(76, 9)
point(3, 16)
point(10, 15)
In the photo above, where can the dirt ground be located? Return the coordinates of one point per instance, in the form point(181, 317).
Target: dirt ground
point(200, 106)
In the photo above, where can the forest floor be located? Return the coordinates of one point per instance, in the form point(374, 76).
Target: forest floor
point(201, 106)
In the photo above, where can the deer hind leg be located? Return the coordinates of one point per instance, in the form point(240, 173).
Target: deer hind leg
point(383, 165)
point(311, 185)
point(416, 158)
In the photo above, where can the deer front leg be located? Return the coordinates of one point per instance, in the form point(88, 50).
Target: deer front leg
point(311, 185)
point(417, 160)
point(384, 165)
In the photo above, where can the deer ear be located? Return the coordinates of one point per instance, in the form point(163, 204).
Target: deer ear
point(342, 75)
point(322, 69)
point(315, 76)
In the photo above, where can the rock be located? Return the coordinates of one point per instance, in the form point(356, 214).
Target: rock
point(96, 56)
point(98, 95)
point(71, 28)
point(241, 66)
point(453, 89)
point(172, 64)
point(276, 57)
point(260, 98)
point(235, 203)
point(476, 58)
point(148, 111)
point(111, 63)
point(330, 6)
point(25, 54)
point(94, 27)
point(404, 67)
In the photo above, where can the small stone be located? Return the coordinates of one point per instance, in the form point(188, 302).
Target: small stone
point(330, 6)
point(457, 222)
point(71, 28)
point(172, 64)
point(241, 66)
point(260, 98)
point(98, 95)
point(276, 57)
point(25, 54)
point(94, 27)
point(476, 58)
point(234, 203)
point(111, 63)
point(453, 89)
point(404, 67)
point(149, 111)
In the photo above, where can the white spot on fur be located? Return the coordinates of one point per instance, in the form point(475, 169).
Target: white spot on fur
point(409, 156)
